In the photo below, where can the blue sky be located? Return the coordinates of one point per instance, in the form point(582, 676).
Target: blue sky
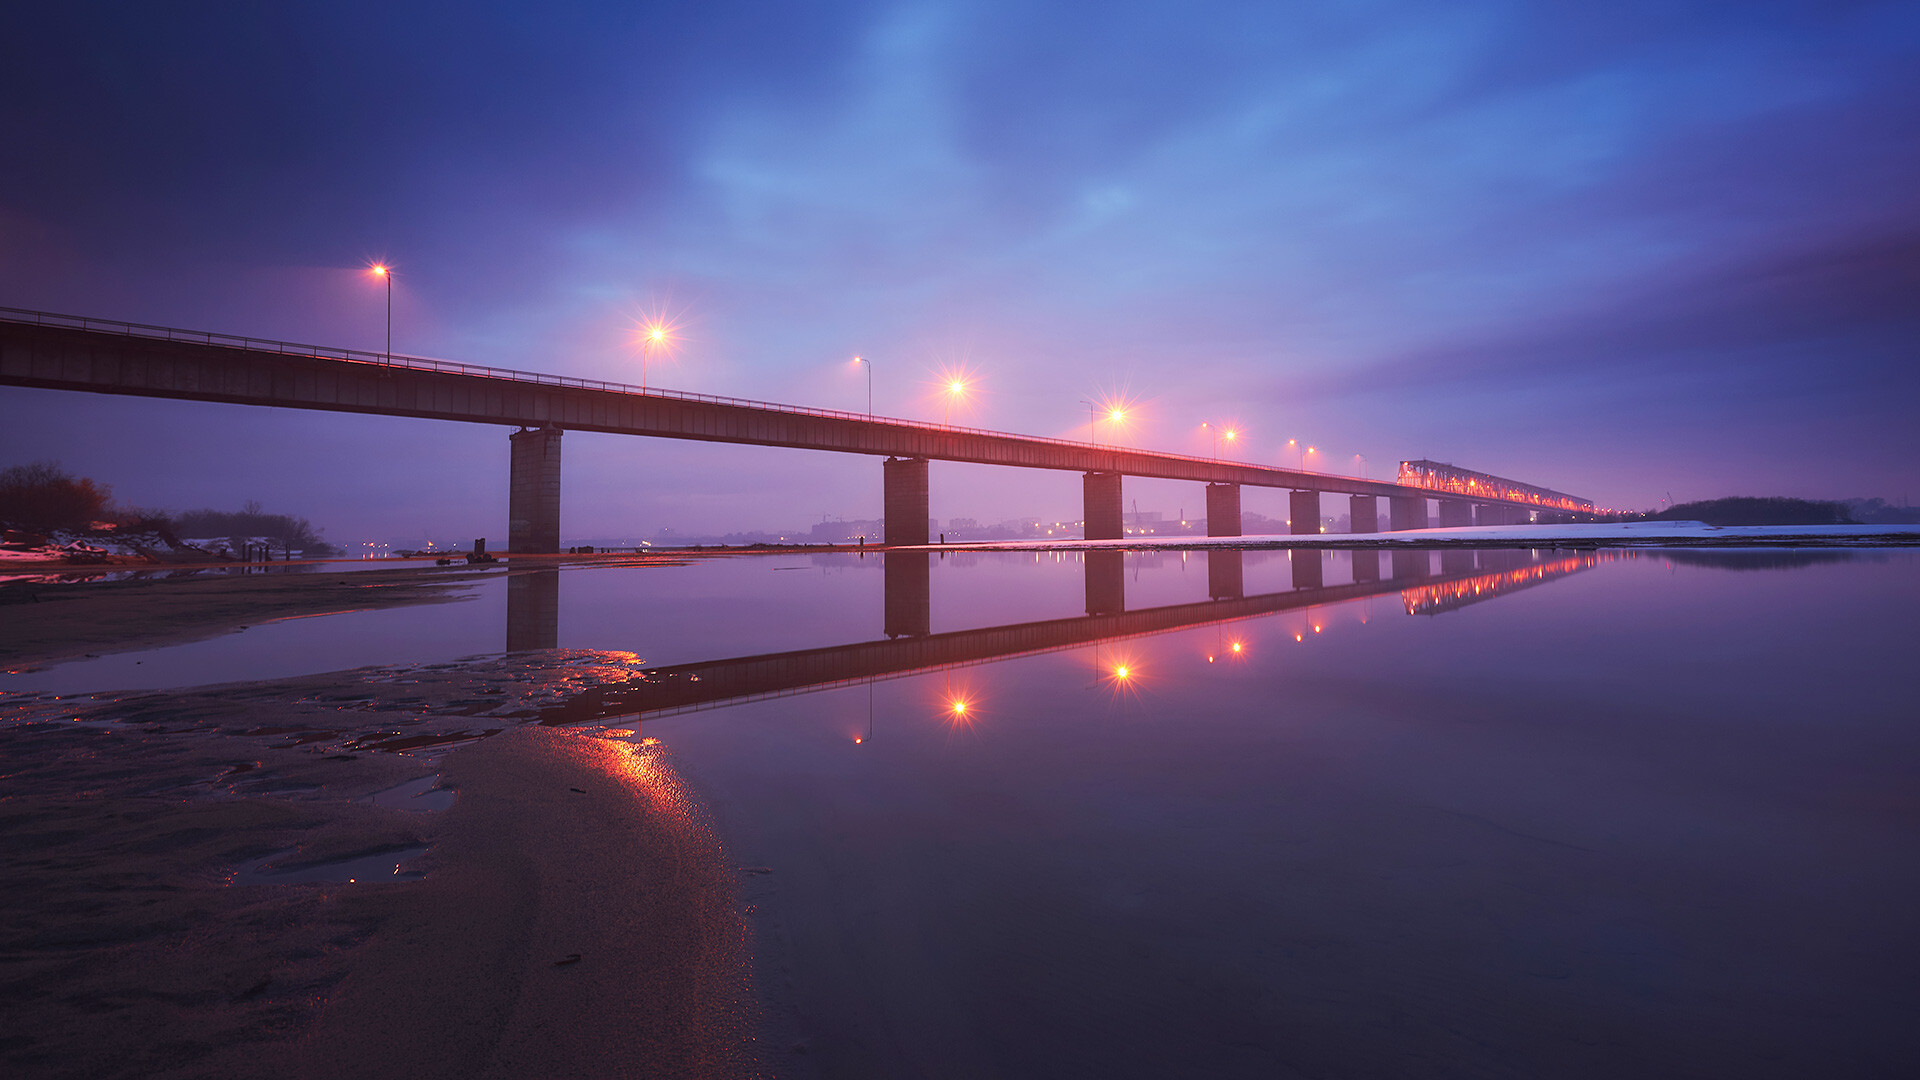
point(1621, 250)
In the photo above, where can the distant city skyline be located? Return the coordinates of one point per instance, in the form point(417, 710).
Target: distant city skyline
point(1628, 253)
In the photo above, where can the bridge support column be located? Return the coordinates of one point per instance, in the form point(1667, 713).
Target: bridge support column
point(1223, 509)
point(1308, 564)
point(533, 609)
point(905, 500)
point(1364, 512)
point(1456, 561)
point(1304, 508)
point(1101, 494)
point(1406, 512)
point(533, 491)
point(1455, 513)
point(908, 593)
point(1226, 574)
point(1106, 582)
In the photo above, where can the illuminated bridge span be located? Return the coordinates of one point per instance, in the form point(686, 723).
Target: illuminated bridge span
point(1454, 480)
point(63, 352)
point(678, 688)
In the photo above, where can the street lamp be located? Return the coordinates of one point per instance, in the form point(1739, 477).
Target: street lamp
point(869, 363)
point(1115, 414)
point(385, 273)
point(1229, 434)
point(1362, 458)
point(954, 388)
point(1294, 444)
point(655, 334)
point(1304, 454)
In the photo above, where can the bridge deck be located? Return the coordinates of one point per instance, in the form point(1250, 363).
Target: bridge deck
point(70, 353)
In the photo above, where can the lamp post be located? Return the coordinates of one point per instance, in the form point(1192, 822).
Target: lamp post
point(655, 335)
point(1362, 458)
point(869, 363)
point(1231, 434)
point(1115, 414)
point(385, 273)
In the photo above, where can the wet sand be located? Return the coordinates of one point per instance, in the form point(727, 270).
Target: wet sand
point(125, 952)
point(43, 623)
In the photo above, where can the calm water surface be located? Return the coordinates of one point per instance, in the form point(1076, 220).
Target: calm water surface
point(1473, 814)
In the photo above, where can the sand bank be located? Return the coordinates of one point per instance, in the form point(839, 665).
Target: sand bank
point(577, 919)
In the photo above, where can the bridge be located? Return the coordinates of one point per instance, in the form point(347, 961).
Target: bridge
point(65, 352)
point(533, 608)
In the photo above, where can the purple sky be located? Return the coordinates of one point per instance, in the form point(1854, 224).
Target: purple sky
point(1620, 250)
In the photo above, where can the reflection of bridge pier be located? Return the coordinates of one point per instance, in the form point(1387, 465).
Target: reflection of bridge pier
point(1410, 565)
point(1456, 561)
point(1106, 582)
point(1309, 568)
point(533, 609)
point(1366, 565)
point(704, 684)
point(909, 604)
point(1226, 574)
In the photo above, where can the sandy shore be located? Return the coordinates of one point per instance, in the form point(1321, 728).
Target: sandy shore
point(43, 622)
point(577, 918)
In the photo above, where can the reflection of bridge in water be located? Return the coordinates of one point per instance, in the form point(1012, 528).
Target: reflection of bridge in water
point(533, 621)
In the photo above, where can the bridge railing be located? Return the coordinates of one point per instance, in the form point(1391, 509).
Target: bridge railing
point(422, 363)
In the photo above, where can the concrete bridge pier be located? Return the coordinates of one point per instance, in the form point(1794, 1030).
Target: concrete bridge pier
point(909, 606)
point(1455, 513)
point(1303, 507)
point(1364, 512)
point(533, 491)
point(1456, 561)
point(1106, 582)
point(1223, 510)
point(1226, 575)
point(905, 500)
point(1406, 512)
point(1101, 495)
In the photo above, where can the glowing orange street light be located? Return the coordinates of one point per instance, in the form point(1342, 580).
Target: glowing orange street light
point(385, 273)
point(1229, 434)
point(654, 335)
point(955, 388)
